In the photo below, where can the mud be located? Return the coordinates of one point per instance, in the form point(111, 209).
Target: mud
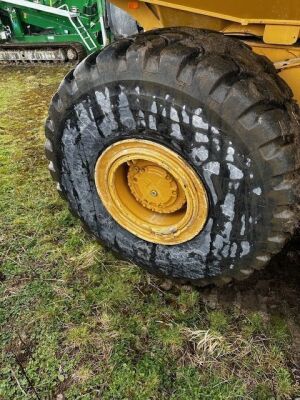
point(277, 287)
point(274, 290)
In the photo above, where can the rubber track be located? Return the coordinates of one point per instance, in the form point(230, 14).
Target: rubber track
point(237, 68)
point(78, 47)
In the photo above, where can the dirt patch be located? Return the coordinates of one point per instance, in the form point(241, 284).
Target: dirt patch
point(276, 288)
point(272, 291)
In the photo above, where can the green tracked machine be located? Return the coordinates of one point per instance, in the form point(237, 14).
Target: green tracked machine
point(56, 30)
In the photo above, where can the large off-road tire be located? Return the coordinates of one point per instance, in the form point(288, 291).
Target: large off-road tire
point(209, 99)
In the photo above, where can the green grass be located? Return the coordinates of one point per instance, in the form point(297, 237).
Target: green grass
point(79, 323)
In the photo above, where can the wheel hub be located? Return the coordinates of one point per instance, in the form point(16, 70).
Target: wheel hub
point(151, 191)
point(154, 188)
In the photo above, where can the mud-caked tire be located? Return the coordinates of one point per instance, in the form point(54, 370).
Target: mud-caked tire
point(214, 102)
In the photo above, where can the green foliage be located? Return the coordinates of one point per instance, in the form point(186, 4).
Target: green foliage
point(279, 331)
point(284, 383)
point(263, 392)
point(218, 321)
point(80, 323)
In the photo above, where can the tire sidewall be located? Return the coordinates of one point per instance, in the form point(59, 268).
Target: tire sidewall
point(213, 251)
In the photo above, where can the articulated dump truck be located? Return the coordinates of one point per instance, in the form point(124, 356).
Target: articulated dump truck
point(178, 147)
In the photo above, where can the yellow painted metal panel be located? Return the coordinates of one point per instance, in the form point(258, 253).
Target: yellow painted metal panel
point(277, 54)
point(173, 17)
point(145, 15)
point(281, 34)
point(255, 11)
point(274, 21)
point(292, 78)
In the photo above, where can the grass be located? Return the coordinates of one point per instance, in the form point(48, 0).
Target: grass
point(78, 324)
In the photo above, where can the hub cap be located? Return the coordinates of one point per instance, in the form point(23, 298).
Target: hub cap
point(154, 188)
point(151, 191)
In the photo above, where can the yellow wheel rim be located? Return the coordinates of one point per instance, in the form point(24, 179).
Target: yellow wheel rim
point(151, 191)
